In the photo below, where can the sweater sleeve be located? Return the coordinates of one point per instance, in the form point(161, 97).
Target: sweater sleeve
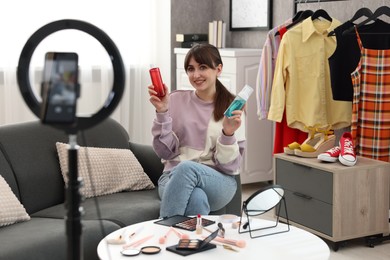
point(230, 149)
point(165, 142)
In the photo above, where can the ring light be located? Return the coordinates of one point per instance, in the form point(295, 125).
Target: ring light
point(116, 92)
point(73, 197)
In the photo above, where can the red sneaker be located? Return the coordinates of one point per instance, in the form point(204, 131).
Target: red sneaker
point(331, 155)
point(347, 154)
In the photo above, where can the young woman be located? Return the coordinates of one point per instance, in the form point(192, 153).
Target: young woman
point(200, 147)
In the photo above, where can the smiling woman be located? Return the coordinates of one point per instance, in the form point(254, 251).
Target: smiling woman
point(124, 21)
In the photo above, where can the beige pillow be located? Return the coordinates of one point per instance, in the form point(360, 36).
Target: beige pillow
point(111, 170)
point(11, 211)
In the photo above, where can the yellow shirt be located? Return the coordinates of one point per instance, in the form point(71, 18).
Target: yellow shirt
point(301, 82)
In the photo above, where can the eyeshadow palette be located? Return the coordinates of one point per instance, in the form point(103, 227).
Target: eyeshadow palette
point(184, 222)
point(189, 244)
point(192, 246)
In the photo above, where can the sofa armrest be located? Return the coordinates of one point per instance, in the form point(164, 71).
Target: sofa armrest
point(234, 206)
point(148, 159)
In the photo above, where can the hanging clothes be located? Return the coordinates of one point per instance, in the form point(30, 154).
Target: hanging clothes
point(370, 127)
point(302, 82)
point(347, 54)
point(266, 70)
point(285, 135)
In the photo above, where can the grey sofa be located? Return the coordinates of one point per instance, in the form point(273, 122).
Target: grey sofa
point(30, 165)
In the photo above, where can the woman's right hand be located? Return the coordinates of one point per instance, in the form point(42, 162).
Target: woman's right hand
point(160, 103)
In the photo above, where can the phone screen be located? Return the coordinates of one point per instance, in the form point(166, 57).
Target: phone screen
point(59, 88)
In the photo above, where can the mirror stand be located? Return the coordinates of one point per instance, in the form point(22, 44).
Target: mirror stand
point(262, 201)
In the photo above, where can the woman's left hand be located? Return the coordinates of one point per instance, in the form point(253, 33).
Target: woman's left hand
point(231, 124)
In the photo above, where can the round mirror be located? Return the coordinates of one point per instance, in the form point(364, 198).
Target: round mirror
point(263, 200)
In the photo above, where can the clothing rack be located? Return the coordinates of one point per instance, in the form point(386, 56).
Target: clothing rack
point(296, 2)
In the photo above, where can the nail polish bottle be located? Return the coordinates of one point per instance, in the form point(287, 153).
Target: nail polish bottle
point(239, 100)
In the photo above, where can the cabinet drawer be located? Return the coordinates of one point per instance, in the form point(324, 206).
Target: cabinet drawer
point(311, 213)
point(305, 180)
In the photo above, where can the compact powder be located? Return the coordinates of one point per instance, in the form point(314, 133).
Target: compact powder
point(150, 250)
point(130, 252)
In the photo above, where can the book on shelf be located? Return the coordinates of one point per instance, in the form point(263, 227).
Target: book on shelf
point(223, 35)
point(191, 44)
point(191, 37)
point(211, 33)
point(217, 33)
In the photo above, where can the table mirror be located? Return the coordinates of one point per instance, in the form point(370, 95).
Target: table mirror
point(264, 200)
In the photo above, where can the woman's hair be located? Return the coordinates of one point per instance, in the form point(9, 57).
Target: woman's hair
point(208, 54)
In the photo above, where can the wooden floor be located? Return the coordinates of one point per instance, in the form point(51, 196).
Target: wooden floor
point(350, 250)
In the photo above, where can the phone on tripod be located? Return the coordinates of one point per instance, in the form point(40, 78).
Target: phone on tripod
point(60, 88)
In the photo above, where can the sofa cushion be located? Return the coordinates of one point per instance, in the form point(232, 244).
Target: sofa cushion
point(123, 208)
point(11, 211)
point(105, 170)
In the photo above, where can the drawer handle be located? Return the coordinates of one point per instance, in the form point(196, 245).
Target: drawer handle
point(302, 195)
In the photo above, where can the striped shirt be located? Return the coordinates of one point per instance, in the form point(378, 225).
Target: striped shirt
point(188, 131)
point(265, 73)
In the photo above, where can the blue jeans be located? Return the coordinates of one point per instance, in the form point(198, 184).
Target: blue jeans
point(192, 188)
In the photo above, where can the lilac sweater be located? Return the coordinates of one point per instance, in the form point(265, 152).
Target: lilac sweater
point(188, 131)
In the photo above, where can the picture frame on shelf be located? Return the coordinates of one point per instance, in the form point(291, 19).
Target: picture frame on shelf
point(248, 15)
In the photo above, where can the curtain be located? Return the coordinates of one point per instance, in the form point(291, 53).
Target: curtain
point(140, 30)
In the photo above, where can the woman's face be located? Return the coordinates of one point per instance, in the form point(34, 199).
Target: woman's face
point(201, 76)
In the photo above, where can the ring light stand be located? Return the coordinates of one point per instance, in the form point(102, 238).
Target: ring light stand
point(73, 197)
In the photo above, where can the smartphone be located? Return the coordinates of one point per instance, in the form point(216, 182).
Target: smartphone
point(157, 82)
point(60, 88)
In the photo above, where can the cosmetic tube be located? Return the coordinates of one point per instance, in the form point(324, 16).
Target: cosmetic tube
point(239, 100)
point(199, 227)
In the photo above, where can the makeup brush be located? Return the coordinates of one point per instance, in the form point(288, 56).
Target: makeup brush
point(118, 240)
point(163, 239)
point(137, 243)
point(238, 243)
point(180, 235)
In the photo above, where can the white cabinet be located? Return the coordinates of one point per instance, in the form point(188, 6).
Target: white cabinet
point(240, 67)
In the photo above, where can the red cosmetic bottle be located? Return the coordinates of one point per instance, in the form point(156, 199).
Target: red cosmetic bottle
point(157, 81)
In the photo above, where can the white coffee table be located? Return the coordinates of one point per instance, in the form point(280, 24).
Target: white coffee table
point(294, 244)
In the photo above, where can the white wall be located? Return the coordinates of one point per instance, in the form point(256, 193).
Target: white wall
point(140, 29)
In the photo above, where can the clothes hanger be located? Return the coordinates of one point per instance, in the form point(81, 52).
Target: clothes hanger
point(297, 15)
point(364, 11)
point(321, 13)
point(378, 12)
point(305, 14)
